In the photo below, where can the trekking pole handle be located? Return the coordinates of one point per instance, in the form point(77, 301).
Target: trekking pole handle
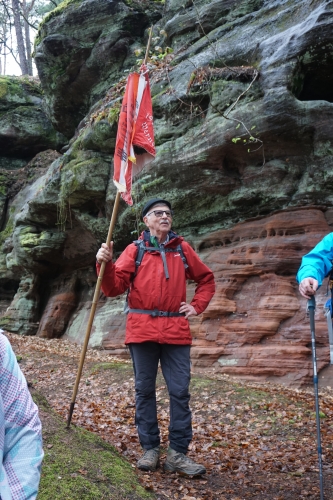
point(312, 303)
point(311, 306)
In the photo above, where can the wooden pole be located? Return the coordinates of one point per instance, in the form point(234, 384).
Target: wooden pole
point(92, 311)
point(98, 285)
point(148, 45)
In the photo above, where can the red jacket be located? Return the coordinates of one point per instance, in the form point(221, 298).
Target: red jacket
point(151, 290)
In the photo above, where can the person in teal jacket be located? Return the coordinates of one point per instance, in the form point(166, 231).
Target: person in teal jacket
point(315, 266)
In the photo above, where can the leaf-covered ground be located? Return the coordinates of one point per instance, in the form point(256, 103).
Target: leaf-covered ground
point(80, 465)
point(256, 441)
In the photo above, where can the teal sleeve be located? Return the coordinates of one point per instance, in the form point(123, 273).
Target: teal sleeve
point(317, 263)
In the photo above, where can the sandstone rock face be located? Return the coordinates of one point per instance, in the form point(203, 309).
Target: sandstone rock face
point(59, 307)
point(25, 129)
point(21, 316)
point(243, 111)
point(234, 175)
point(83, 50)
point(13, 182)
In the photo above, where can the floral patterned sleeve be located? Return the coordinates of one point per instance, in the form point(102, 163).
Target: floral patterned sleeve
point(21, 451)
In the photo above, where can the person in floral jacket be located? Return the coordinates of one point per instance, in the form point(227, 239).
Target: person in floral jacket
point(21, 451)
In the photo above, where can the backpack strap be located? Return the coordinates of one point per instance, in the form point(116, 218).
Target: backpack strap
point(140, 253)
point(180, 250)
point(140, 244)
point(142, 248)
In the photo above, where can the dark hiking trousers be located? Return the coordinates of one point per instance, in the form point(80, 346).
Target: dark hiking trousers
point(175, 364)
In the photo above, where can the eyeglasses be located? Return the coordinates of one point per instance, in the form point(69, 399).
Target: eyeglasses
point(159, 213)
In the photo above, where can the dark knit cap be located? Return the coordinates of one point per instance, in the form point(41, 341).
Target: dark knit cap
point(151, 203)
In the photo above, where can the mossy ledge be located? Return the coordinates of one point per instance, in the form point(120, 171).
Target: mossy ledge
point(78, 464)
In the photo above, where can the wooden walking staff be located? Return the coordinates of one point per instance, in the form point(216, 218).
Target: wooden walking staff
point(92, 311)
point(98, 288)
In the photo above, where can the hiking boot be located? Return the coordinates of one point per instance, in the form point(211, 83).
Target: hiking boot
point(178, 462)
point(150, 460)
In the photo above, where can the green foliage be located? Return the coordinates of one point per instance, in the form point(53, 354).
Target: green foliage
point(3, 87)
point(250, 140)
point(146, 186)
point(44, 8)
point(63, 206)
point(158, 50)
point(114, 113)
point(3, 185)
point(7, 231)
point(5, 320)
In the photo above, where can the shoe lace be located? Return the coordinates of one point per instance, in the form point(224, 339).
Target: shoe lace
point(186, 459)
point(151, 453)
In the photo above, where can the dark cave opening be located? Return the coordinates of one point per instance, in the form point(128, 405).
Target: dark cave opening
point(317, 86)
point(313, 77)
point(8, 289)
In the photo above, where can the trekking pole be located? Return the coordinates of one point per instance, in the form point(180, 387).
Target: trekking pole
point(311, 310)
point(92, 312)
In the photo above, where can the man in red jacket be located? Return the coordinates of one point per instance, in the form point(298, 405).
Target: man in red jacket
point(157, 328)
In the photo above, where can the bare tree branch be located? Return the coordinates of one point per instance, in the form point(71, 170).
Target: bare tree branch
point(243, 93)
point(28, 22)
point(11, 52)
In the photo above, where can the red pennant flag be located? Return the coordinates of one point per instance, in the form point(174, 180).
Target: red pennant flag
point(135, 146)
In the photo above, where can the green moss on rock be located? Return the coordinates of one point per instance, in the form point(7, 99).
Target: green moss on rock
point(50, 15)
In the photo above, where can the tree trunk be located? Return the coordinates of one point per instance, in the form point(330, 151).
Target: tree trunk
point(3, 46)
point(27, 36)
point(19, 38)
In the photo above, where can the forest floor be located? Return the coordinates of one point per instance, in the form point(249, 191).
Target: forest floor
point(257, 441)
